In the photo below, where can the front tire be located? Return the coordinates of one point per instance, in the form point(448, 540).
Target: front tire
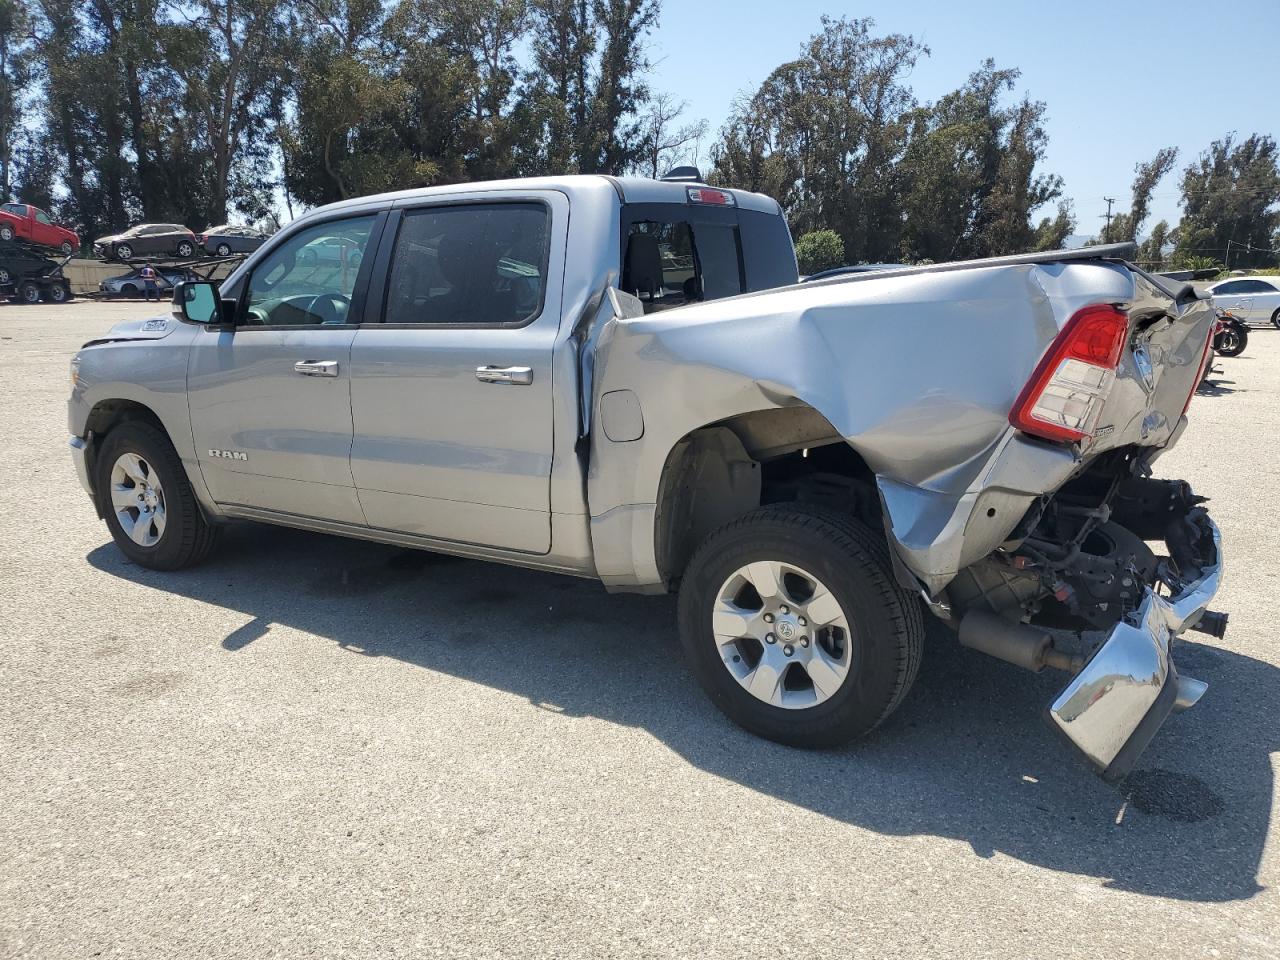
point(66, 248)
point(6, 232)
point(124, 252)
point(29, 292)
point(224, 250)
point(1275, 319)
point(792, 621)
point(186, 248)
point(144, 493)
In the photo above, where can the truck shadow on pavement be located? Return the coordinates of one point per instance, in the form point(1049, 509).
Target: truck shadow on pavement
point(966, 757)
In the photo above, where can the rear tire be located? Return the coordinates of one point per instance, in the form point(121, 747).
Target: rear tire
point(59, 293)
point(28, 292)
point(224, 250)
point(1275, 319)
point(6, 232)
point(151, 510)
point(865, 668)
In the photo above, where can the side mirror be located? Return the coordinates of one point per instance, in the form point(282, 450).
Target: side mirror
point(196, 301)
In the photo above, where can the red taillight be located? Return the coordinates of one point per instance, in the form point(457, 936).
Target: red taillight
point(1066, 392)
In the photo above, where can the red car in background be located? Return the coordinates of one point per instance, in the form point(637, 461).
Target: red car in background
point(24, 222)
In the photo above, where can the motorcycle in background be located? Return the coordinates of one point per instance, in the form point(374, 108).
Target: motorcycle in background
point(1231, 336)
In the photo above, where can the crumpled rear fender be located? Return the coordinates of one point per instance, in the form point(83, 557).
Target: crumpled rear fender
point(916, 373)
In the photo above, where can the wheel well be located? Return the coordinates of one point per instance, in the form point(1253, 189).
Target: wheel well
point(109, 414)
point(723, 470)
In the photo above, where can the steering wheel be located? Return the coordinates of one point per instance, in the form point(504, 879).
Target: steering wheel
point(331, 308)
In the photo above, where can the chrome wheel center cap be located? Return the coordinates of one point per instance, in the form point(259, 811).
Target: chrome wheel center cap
point(786, 629)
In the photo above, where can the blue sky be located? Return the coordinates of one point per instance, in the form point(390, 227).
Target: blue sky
point(1121, 79)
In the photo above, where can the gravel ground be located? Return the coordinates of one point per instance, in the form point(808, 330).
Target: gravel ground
point(313, 747)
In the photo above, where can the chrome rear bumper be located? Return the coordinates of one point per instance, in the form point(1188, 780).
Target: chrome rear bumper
point(1113, 707)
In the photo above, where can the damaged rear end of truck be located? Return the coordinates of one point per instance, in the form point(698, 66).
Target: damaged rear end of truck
point(999, 420)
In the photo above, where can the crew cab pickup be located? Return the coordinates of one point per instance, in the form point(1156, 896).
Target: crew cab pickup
point(622, 379)
point(21, 221)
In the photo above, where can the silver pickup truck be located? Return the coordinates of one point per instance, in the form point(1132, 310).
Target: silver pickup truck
point(623, 379)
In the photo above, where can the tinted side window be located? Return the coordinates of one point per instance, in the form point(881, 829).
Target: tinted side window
point(1227, 289)
point(1255, 286)
point(469, 263)
point(42, 217)
point(310, 277)
point(17, 209)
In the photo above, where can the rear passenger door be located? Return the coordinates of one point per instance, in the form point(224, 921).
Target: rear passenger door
point(451, 388)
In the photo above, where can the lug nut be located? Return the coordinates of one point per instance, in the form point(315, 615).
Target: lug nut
point(804, 641)
point(770, 638)
point(768, 618)
point(802, 621)
point(784, 609)
point(788, 649)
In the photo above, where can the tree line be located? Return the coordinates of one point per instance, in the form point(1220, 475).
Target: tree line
point(200, 111)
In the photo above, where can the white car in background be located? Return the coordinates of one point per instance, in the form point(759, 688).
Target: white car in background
point(1252, 299)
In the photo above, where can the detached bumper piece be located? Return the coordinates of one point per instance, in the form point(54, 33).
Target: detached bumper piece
point(1113, 707)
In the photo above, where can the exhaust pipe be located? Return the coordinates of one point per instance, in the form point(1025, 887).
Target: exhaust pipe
point(1015, 643)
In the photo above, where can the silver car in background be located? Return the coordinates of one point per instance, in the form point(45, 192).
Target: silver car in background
point(1254, 300)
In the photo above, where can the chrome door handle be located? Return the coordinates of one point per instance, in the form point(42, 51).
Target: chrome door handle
point(316, 368)
point(520, 375)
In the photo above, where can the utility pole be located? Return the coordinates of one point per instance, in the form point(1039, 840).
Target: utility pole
point(1107, 232)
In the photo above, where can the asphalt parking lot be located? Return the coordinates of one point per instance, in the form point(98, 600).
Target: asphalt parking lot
point(313, 747)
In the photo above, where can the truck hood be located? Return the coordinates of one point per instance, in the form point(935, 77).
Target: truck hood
point(152, 328)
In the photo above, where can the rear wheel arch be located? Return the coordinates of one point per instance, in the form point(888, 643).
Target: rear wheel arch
point(728, 468)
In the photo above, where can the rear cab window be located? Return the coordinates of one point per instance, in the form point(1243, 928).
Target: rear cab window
point(674, 254)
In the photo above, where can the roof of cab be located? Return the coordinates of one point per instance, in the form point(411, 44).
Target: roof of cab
point(628, 189)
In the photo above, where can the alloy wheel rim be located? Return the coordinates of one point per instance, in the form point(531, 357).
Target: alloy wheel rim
point(137, 498)
point(782, 634)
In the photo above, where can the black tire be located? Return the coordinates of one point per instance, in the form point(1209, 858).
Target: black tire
point(28, 292)
point(6, 232)
point(58, 293)
point(67, 248)
point(186, 248)
point(224, 250)
point(187, 537)
point(129, 290)
point(1232, 341)
point(886, 623)
point(5, 276)
point(1275, 319)
point(123, 252)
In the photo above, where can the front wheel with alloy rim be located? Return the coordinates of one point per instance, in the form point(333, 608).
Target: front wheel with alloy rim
point(147, 500)
point(792, 621)
point(1275, 319)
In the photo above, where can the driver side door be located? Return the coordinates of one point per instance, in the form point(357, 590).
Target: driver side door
point(270, 400)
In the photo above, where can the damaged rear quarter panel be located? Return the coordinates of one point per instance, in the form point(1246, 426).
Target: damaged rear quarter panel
point(916, 372)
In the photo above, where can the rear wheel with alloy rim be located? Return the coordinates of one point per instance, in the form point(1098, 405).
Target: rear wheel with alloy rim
point(792, 621)
point(29, 292)
point(124, 252)
point(223, 250)
point(147, 500)
point(1275, 319)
